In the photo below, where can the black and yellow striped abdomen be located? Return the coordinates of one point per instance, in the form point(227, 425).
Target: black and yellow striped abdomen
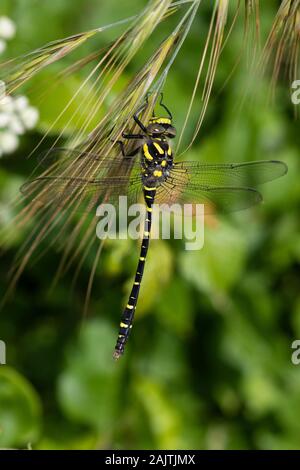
point(128, 314)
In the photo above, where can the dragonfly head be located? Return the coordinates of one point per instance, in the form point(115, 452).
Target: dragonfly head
point(161, 127)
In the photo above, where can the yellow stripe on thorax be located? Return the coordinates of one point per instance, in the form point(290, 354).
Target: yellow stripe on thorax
point(158, 147)
point(146, 152)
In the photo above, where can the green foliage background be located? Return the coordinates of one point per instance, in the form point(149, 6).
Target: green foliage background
point(209, 362)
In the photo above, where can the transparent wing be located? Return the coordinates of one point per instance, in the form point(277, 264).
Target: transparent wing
point(249, 174)
point(220, 187)
point(64, 156)
point(95, 179)
point(214, 199)
point(81, 194)
point(73, 186)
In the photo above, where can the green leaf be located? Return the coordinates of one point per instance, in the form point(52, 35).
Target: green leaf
point(164, 419)
point(88, 389)
point(261, 394)
point(20, 410)
point(175, 310)
point(218, 266)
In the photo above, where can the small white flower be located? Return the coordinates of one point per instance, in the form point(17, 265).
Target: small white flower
point(30, 117)
point(8, 142)
point(21, 102)
point(16, 126)
point(2, 46)
point(7, 104)
point(16, 114)
point(7, 28)
point(4, 119)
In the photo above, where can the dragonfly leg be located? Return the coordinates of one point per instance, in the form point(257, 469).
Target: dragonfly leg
point(130, 154)
point(164, 106)
point(139, 123)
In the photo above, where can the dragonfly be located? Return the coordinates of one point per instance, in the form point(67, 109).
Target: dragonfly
point(150, 171)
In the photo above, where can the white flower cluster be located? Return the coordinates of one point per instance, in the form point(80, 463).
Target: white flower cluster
point(16, 117)
point(16, 114)
point(7, 31)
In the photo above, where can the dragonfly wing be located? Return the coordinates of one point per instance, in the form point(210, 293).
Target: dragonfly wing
point(215, 199)
point(83, 180)
point(220, 187)
point(82, 194)
point(62, 157)
point(249, 174)
point(67, 162)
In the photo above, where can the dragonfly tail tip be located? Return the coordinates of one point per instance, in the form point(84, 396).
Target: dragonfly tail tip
point(117, 354)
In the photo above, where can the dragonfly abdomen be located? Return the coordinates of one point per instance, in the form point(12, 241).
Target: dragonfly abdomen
point(129, 311)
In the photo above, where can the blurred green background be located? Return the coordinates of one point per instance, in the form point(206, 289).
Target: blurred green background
point(208, 365)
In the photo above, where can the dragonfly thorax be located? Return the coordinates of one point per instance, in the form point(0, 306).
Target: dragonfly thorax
point(156, 162)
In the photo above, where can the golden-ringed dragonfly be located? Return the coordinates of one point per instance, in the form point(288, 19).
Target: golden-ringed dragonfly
point(150, 170)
